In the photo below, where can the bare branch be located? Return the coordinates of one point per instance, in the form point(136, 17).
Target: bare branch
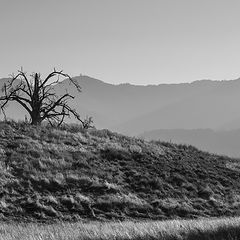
point(38, 97)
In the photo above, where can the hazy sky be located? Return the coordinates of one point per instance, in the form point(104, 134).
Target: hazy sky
point(136, 41)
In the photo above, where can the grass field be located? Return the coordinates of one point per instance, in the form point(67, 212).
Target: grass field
point(69, 174)
point(219, 229)
point(96, 178)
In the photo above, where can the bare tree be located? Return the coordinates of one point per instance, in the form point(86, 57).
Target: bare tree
point(38, 98)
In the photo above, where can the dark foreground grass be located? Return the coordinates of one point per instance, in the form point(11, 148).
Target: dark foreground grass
point(219, 229)
point(49, 174)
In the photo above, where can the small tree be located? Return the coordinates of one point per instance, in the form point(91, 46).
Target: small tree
point(38, 98)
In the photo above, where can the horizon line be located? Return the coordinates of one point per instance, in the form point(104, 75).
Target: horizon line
point(147, 85)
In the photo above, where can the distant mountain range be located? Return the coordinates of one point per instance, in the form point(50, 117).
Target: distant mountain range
point(132, 109)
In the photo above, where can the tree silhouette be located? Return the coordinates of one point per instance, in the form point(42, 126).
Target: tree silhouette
point(38, 98)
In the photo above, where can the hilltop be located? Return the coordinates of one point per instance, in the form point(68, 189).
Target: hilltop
point(71, 174)
point(203, 113)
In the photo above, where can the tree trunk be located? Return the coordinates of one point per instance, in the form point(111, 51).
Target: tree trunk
point(36, 121)
point(36, 118)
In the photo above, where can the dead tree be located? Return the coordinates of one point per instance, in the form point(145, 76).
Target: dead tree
point(38, 98)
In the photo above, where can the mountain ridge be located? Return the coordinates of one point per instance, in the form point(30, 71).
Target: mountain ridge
point(94, 79)
point(120, 107)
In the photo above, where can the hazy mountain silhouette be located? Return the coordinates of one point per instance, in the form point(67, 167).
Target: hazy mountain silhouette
point(134, 109)
point(221, 142)
point(112, 105)
point(205, 104)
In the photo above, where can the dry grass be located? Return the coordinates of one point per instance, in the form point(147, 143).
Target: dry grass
point(70, 174)
point(227, 229)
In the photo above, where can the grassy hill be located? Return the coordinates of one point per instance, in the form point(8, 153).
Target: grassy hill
point(70, 174)
point(225, 142)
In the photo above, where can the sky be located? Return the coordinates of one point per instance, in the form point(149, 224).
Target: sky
point(136, 41)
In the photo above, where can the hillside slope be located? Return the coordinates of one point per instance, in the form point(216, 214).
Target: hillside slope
point(221, 142)
point(68, 174)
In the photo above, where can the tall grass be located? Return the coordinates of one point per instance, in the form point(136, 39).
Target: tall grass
point(219, 229)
